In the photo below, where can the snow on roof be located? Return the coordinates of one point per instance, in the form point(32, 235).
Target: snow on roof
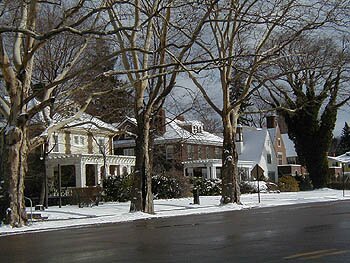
point(290, 147)
point(192, 123)
point(89, 122)
point(174, 132)
point(344, 158)
point(272, 133)
point(254, 141)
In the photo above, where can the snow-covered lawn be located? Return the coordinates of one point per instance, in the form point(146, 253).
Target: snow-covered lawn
point(73, 216)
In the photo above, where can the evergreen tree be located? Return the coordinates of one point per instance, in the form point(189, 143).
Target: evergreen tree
point(344, 144)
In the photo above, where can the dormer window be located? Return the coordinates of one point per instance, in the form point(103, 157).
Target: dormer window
point(197, 129)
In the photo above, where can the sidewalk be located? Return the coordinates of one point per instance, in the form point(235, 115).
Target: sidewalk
point(113, 212)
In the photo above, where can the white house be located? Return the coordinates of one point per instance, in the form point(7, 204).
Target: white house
point(254, 146)
point(83, 149)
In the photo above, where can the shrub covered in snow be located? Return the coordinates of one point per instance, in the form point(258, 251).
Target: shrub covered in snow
point(207, 187)
point(117, 188)
point(252, 187)
point(165, 187)
point(288, 183)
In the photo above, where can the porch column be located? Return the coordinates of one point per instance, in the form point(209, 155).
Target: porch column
point(208, 172)
point(98, 173)
point(213, 172)
point(121, 170)
point(50, 171)
point(80, 174)
point(128, 168)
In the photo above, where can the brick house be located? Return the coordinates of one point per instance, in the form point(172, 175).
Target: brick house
point(176, 141)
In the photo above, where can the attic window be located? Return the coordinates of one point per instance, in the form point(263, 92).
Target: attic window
point(197, 129)
point(269, 159)
point(279, 142)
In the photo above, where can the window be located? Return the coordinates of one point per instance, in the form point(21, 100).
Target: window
point(199, 151)
point(197, 129)
point(280, 158)
point(207, 152)
point(129, 152)
point(335, 164)
point(217, 153)
point(194, 129)
point(102, 145)
point(279, 142)
point(190, 152)
point(169, 152)
point(55, 144)
point(79, 140)
point(269, 159)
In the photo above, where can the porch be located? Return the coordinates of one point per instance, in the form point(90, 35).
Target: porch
point(211, 168)
point(82, 170)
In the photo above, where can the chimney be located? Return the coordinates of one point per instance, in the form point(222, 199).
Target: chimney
point(159, 122)
point(180, 118)
point(239, 139)
point(271, 121)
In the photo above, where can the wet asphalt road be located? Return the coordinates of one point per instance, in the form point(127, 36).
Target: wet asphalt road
point(318, 232)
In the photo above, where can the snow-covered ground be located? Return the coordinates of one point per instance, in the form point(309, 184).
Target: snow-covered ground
point(73, 216)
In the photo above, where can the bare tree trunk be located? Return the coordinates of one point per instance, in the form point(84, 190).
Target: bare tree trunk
point(230, 180)
point(149, 206)
point(142, 197)
point(15, 168)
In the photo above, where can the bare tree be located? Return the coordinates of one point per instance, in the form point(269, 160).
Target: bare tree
point(239, 39)
point(164, 33)
point(22, 39)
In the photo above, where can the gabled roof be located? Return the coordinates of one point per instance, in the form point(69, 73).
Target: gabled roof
point(290, 147)
point(89, 122)
point(127, 119)
point(175, 132)
point(253, 144)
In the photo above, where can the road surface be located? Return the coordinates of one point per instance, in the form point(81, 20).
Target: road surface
point(318, 232)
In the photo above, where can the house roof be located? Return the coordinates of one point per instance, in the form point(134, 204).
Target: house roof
point(344, 158)
point(176, 132)
point(89, 122)
point(289, 145)
point(253, 144)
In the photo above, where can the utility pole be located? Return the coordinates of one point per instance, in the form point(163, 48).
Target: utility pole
point(59, 186)
point(46, 201)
